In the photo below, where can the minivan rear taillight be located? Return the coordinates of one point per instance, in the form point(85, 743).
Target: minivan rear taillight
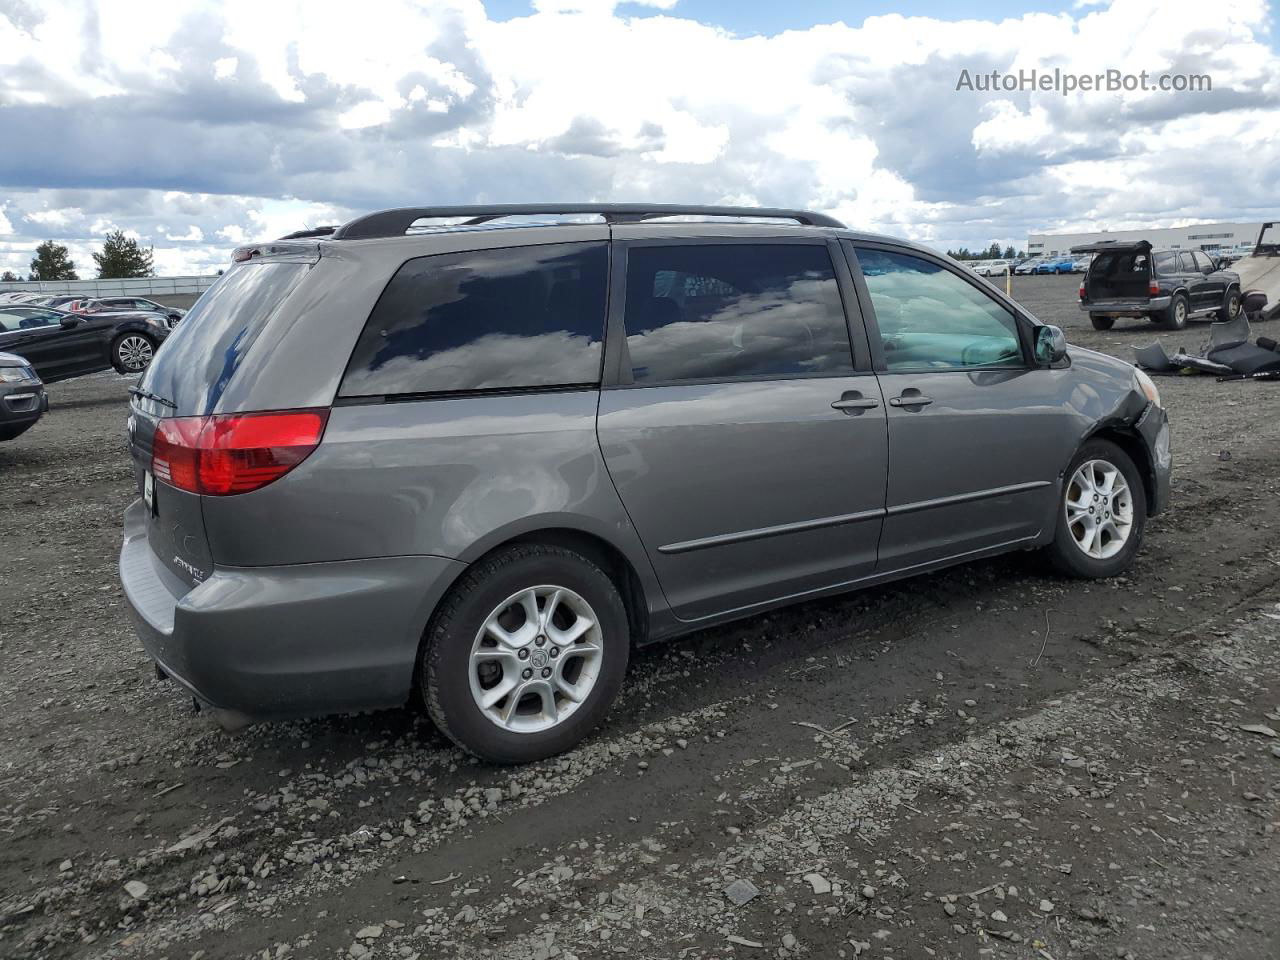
point(233, 453)
point(1081, 290)
point(1153, 288)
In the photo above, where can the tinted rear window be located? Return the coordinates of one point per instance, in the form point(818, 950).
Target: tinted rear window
point(706, 311)
point(505, 319)
point(1124, 263)
point(202, 355)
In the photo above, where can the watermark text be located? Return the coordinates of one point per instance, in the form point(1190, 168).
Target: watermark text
point(1066, 83)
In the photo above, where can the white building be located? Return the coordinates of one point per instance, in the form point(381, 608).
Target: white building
point(1199, 236)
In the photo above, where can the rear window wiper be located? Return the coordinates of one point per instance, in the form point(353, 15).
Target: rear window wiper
point(148, 395)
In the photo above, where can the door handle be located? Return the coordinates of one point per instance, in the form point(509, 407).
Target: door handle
point(854, 401)
point(911, 399)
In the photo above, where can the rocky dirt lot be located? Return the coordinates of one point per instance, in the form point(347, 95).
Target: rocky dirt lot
point(988, 762)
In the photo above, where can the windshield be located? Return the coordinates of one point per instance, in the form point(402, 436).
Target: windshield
point(205, 350)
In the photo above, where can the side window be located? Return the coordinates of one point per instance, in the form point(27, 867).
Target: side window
point(510, 318)
point(711, 311)
point(37, 318)
point(1166, 263)
point(1203, 263)
point(929, 318)
point(1188, 263)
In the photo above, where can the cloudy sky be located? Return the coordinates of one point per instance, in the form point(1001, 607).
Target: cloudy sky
point(197, 126)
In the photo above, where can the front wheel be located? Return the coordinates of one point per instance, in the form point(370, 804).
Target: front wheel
point(132, 352)
point(526, 654)
point(1102, 511)
point(1101, 323)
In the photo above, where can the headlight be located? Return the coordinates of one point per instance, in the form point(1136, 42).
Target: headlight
point(1147, 386)
point(18, 375)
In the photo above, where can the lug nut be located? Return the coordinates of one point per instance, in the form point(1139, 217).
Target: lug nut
point(523, 654)
point(546, 672)
point(540, 640)
point(555, 651)
point(526, 674)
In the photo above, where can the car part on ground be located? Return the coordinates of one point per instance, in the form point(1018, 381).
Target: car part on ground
point(22, 397)
point(369, 468)
point(1227, 353)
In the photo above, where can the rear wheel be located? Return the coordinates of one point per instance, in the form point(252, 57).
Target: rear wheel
point(1175, 318)
point(1230, 308)
point(1101, 323)
point(525, 654)
point(1101, 513)
point(132, 352)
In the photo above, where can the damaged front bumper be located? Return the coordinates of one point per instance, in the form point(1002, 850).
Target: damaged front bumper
point(1153, 428)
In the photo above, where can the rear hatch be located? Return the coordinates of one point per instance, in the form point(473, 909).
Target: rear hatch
point(1119, 271)
point(187, 379)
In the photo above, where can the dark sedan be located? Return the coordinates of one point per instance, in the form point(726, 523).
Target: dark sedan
point(61, 345)
point(22, 396)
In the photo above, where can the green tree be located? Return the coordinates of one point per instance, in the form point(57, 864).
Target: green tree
point(52, 262)
point(1009, 252)
point(122, 257)
point(992, 252)
point(9, 277)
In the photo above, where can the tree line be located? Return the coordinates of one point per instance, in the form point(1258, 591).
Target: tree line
point(120, 258)
point(992, 252)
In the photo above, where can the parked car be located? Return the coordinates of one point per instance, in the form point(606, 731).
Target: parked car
point(22, 397)
point(1081, 264)
point(1055, 265)
point(992, 268)
point(1130, 279)
point(60, 344)
point(135, 304)
point(1028, 266)
point(483, 464)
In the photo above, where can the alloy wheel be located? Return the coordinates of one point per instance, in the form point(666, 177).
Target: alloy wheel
point(535, 659)
point(1099, 509)
point(135, 353)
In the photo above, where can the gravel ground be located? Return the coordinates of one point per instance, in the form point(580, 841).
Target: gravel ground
point(985, 762)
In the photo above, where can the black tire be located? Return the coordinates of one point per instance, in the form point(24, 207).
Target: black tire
point(126, 352)
point(1230, 308)
point(445, 678)
point(1064, 552)
point(1101, 323)
point(1175, 318)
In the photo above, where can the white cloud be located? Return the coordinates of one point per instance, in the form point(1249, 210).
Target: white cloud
point(201, 126)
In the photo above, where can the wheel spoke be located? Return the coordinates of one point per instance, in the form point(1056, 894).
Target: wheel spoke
point(513, 701)
point(570, 690)
point(567, 638)
point(549, 609)
point(495, 693)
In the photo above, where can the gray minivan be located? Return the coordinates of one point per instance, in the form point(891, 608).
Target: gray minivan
point(474, 454)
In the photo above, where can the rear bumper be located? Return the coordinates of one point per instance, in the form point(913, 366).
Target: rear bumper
point(1126, 308)
point(285, 641)
point(1153, 427)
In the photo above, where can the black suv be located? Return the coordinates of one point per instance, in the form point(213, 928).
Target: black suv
point(1130, 279)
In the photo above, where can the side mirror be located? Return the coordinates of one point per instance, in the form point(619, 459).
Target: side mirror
point(1051, 345)
point(69, 322)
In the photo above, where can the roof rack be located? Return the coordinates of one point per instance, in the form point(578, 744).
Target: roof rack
point(395, 223)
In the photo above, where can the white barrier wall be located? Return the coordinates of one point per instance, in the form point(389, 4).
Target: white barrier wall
point(143, 287)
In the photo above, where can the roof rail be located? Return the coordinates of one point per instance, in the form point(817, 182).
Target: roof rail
point(395, 223)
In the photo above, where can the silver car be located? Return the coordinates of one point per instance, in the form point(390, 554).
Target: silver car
point(478, 453)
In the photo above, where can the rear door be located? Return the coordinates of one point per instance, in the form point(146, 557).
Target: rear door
point(976, 431)
point(187, 379)
point(744, 434)
point(1210, 286)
